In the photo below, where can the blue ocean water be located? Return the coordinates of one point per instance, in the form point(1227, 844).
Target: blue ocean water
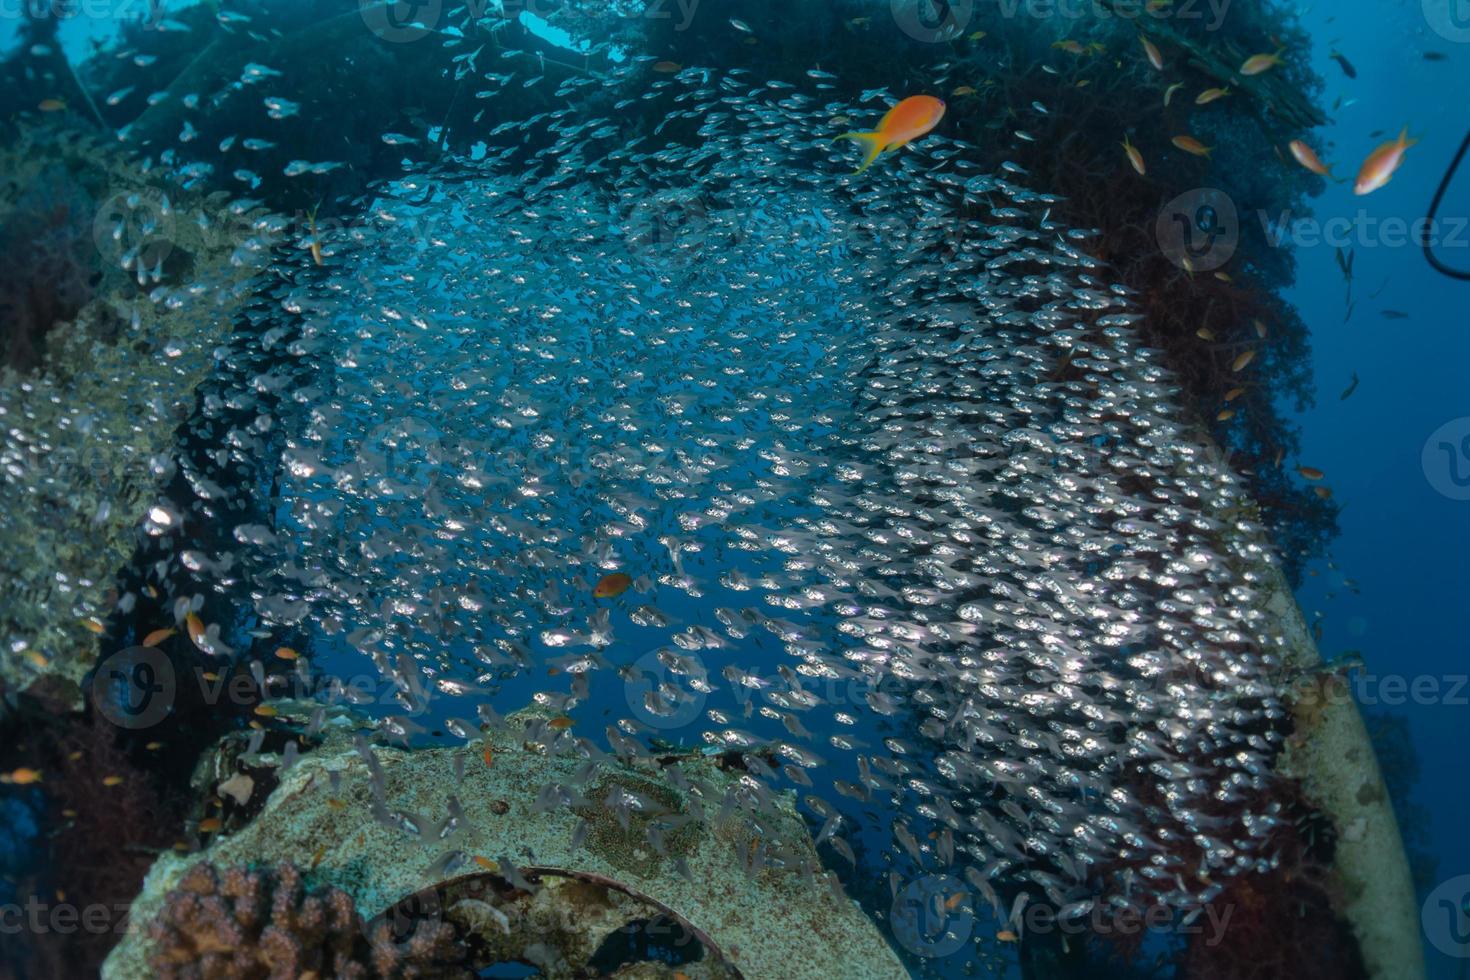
point(1403, 529)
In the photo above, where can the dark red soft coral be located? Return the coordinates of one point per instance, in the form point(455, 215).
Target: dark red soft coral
point(49, 265)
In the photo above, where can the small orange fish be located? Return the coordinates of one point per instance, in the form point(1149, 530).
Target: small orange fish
point(1381, 163)
point(1191, 145)
point(38, 659)
point(1310, 472)
point(1134, 157)
point(1258, 63)
point(1241, 360)
point(157, 637)
point(210, 825)
point(265, 711)
point(667, 67)
point(954, 901)
point(561, 723)
point(963, 90)
point(1154, 57)
point(153, 746)
point(195, 626)
point(488, 756)
point(112, 781)
point(1069, 46)
point(94, 626)
point(1323, 492)
point(286, 653)
point(1210, 95)
point(486, 863)
point(904, 123)
point(52, 105)
point(1006, 936)
point(1308, 158)
point(1225, 414)
point(21, 777)
point(611, 585)
point(316, 858)
point(336, 804)
point(1233, 394)
point(1205, 333)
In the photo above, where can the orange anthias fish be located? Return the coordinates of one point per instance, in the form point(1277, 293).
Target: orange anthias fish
point(1134, 157)
point(1258, 63)
point(1191, 145)
point(1308, 158)
point(905, 122)
point(21, 777)
point(1154, 57)
point(157, 637)
point(1381, 163)
point(611, 585)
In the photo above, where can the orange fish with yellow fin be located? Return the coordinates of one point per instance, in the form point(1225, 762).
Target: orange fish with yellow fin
point(904, 123)
point(1381, 163)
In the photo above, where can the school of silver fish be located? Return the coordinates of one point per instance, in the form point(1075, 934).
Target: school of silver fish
point(912, 521)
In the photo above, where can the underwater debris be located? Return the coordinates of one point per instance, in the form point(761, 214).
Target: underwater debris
point(572, 924)
point(784, 917)
point(1330, 761)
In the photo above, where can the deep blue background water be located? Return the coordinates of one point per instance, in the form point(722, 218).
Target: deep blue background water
point(1404, 543)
